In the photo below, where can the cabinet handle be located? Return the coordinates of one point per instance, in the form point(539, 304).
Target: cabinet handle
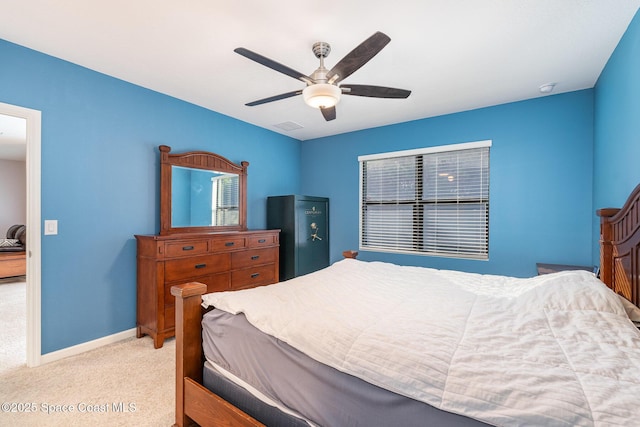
point(229, 244)
point(262, 240)
point(255, 257)
point(201, 265)
point(187, 248)
point(254, 275)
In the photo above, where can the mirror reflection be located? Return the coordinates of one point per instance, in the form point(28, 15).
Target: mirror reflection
point(201, 197)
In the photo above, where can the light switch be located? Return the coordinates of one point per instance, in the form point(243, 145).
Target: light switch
point(50, 226)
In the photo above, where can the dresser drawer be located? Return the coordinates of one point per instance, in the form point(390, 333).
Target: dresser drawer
point(215, 283)
point(250, 277)
point(229, 243)
point(249, 258)
point(188, 268)
point(186, 248)
point(262, 240)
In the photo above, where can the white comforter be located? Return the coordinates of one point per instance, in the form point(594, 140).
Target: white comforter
point(553, 350)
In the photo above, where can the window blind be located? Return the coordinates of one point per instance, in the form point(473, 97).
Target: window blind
point(433, 201)
point(224, 199)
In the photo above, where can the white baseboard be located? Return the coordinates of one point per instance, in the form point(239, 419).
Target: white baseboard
point(86, 346)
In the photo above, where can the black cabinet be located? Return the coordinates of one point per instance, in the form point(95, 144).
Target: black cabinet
point(304, 235)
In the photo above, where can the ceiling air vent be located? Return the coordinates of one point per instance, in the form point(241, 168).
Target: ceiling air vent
point(289, 126)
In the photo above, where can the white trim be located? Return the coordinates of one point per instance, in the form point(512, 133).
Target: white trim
point(34, 243)
point(426, 150)
point(87, 346)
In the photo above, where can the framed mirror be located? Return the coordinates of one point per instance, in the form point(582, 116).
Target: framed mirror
point(201, 192)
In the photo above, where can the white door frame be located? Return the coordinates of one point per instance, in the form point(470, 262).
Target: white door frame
point(34, 241)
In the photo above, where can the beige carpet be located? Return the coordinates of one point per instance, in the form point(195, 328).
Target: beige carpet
point(13, 323)
point(123, 384)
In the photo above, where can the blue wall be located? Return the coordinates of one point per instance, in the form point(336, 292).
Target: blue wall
point(617, 124)
point(100, 175)
point(540, 180)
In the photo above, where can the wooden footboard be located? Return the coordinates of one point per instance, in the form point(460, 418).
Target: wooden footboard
point(209, 409)
point(194, 403)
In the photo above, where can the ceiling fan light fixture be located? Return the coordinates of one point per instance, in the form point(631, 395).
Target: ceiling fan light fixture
point(321, 95)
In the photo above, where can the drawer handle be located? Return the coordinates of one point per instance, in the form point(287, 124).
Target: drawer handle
point(229, 243)
point(187, 248)
point(254, 275)
point(255, 257)
point(262, 240)
point(201, 265)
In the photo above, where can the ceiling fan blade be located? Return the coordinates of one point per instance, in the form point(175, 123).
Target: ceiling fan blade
point(358, 57)
point(274, 98)
point(374, 91)
point(272, 64)
point(328, 113)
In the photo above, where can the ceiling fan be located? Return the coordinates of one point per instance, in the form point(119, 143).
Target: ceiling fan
point(322, 90)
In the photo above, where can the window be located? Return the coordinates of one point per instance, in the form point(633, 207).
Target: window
point(224, 199)
point(431, 201)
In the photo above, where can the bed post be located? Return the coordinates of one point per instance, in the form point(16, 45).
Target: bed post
point(606, 245)
point(188, 341)
point(350, 254)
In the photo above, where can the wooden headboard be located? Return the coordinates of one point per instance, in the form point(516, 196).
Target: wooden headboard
point(620, 248)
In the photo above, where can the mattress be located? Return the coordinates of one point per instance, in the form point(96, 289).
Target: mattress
point(232, 392)
point(558, 349)
point(301, 386)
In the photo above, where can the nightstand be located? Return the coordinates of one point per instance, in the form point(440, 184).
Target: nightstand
point(554, 268)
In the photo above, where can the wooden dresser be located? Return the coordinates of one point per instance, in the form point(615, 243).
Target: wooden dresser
point(222, 260)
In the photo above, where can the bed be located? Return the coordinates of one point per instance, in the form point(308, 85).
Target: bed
point(478, 361)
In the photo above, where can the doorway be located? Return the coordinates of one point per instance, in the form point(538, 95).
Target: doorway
point(33, 223)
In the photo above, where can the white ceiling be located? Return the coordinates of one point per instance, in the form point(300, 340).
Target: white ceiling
point(454, 55)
